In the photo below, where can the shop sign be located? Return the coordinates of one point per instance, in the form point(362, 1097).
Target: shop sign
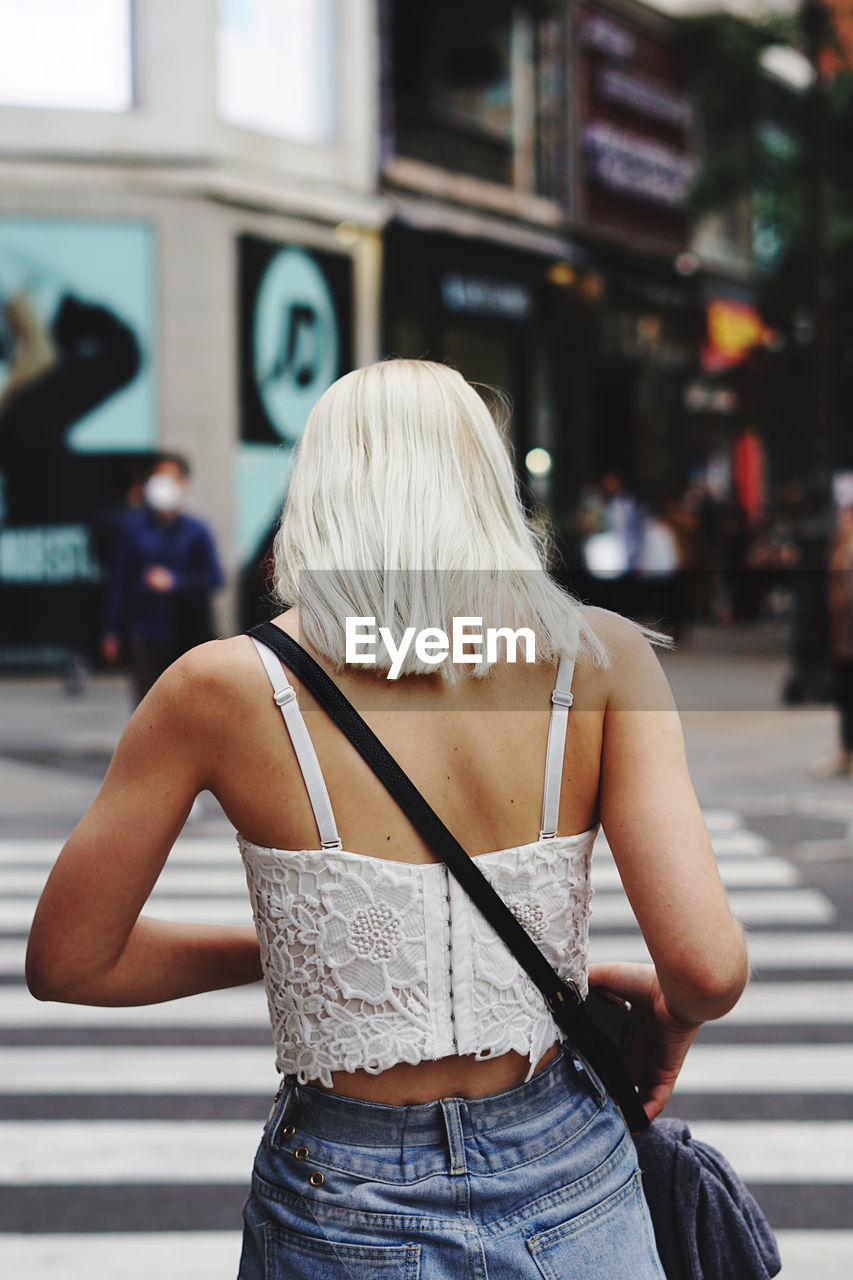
point(607, 37)
point(483, 296)
point(637, 167)
point(733, 329)
point(644, 96)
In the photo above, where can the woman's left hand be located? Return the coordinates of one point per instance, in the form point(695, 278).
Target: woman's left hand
point(659, 1040)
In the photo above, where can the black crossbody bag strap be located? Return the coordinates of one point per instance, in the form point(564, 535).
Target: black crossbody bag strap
point(563, 999)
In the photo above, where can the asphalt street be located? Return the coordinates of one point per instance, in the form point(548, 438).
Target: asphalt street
point(100, 1108)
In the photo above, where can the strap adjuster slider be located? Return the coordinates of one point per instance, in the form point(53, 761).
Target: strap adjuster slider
point(281, 697)
point(561, 698)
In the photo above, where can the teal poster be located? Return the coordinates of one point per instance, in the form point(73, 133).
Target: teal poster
point(77, 420)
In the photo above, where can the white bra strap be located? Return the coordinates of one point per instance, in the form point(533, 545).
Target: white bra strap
point(561, 700)
point(285, 698)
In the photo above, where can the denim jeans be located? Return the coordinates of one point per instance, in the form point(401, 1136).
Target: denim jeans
point(536, 1181)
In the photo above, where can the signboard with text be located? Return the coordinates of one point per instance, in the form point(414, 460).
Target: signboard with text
point(77, 415)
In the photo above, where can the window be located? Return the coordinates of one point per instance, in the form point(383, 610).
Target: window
point(276, 68)
point(70, 54)
point(479, 88)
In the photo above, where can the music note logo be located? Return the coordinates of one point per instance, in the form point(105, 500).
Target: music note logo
point(296, 346)
point(298, 349)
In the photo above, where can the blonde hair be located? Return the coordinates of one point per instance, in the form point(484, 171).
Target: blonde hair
point(403, 506)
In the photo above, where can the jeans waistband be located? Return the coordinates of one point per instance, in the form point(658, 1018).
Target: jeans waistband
point(373, 1124)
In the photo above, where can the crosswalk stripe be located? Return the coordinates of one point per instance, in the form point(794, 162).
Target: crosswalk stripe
point(12, 952)
point(144, 1069)
point(765, 1004)
point(736, 873)
point(740, 843)
point(778, 906)
point(176, 1255)
point(822, 1068)
point(188, 850)
point(198, 909)
point(718, 820)
point(793, 1151)
point(234, 1007)
point(34, 1152)
point(107, 1152)
point(181, 874)
point(173, 879)
point(794, 950)
point(785, 1003)
point(168, 1255)
point(767, 1068)
point(806, 1254)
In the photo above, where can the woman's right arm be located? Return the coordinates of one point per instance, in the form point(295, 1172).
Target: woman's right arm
point(656, 832)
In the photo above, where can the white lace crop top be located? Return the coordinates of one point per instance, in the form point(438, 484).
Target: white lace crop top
point(369, 962)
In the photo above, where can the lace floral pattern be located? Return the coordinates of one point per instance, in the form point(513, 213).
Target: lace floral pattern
point(357, 954)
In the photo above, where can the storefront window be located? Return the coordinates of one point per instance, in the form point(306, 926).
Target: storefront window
point(276, 68)
point(70, 54)
point(463, 84)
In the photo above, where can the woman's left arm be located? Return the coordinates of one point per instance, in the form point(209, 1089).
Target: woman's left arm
point(88, 943)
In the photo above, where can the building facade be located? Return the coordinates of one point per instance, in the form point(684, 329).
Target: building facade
point(220, 206)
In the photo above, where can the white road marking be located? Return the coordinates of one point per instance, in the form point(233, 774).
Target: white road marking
point(233, 1007)
point(107, 1152)
point(794, 950)
point(767, 1068)
point(776, 906)
point(168, 1255)
point(144, 1069)
point(799, 1151)
point(195, 880)
point(827, 1255)
point(736, 873)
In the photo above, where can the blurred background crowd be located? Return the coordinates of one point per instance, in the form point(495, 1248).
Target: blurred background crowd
point(634, 217)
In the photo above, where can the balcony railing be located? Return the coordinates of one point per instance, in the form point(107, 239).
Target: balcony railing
point(420, 136)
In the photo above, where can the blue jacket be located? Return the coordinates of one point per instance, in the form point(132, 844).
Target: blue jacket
point(707, 1225)
point(175, 619)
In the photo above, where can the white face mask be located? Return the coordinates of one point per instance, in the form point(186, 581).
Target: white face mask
point(164, 493)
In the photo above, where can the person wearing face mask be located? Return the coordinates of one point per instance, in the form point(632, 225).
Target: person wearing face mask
point(165, 570)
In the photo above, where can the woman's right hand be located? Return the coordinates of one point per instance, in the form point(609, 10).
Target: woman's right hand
point(659, 1040)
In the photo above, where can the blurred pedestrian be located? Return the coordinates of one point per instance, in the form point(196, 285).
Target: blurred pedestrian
point(840, 599)
point(164, 573)
point(659, 567)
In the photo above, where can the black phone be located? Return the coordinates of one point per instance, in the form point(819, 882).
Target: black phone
point(612, 1015)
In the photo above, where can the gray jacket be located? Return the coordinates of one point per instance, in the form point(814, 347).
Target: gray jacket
point(707, 1225)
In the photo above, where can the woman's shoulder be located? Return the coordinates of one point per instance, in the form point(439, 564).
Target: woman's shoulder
point(632, 667)
point(214, 676)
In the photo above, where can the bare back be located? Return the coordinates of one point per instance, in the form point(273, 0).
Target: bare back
point(476, 750)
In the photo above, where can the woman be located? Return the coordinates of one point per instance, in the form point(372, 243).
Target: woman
point(430, 1124)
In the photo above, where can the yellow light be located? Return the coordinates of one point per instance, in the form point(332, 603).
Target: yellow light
point(538, 462)
point(562, 273)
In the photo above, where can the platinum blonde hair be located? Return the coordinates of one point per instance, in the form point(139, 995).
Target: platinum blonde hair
point(403, 506)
